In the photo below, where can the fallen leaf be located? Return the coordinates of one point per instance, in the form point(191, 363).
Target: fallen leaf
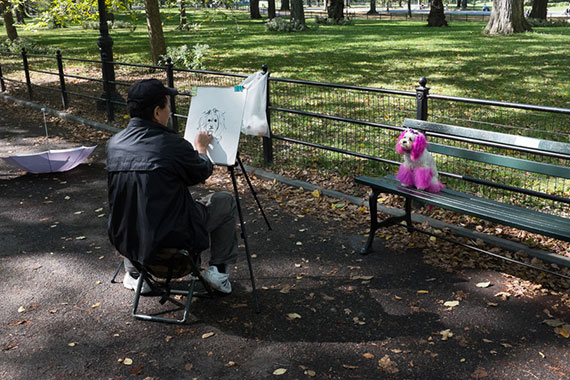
point(230, 364)
point(483, 284)
point(310, 372)
point(562, 331)
point(487, 340)
point(316, 193)
point(293, 316)
point(167, 339)
point(494, 304)
point(188, 367)
point(358, 277)
point(72, 344)
point(348, 366)
point(479, 373)
point(445, 334)
point(99, 209)
point(368, 355)
point(20, 322)
point(299, 243)
point(96, 305)
point(503, 295)
point(21, 309)
point(280, 371)
point(422, 292)
point(80, 238)
point(553, 322)
point(128, 361)
point(285, 289)
point(208, 334)
point(451, 303)
point(387, 365)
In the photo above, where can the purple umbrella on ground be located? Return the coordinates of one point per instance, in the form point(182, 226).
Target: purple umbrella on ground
point(51, 160)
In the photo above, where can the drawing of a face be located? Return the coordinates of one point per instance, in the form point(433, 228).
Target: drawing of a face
point(213, 122)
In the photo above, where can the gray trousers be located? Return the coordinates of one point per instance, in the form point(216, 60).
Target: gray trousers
point(219, 213)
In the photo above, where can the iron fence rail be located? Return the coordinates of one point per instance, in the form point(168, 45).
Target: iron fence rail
point(340, 128)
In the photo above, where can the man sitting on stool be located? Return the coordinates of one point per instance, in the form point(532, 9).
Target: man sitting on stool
point(149, 170)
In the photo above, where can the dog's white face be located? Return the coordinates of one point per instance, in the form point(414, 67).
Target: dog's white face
point(408, 140)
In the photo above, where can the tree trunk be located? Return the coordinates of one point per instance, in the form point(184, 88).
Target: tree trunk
point(155, 33)
point(458, 3)
point(539, 9)
point(285, 5)
point(372, 10)
point(410, 8)
point(436, 15)
point(271, 9)
point(335, 10)
point(507, 17)
point(6, 11)
point(183, 24)
point(298, 12)
point(254, 10)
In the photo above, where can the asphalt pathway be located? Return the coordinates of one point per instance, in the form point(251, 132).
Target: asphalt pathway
point(326, 311)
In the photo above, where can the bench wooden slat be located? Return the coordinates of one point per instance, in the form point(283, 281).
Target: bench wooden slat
point(504, 161)
point(514, 216)
point(489, 136)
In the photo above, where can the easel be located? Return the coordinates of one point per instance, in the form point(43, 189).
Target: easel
point(242, 224)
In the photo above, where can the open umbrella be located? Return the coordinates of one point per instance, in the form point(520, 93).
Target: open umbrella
point(51, 160)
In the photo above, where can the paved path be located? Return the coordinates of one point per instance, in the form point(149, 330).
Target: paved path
point(374, 317)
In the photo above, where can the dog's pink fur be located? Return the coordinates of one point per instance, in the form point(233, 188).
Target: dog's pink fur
point(406, 176)
point(418, 168)
point(420, 144)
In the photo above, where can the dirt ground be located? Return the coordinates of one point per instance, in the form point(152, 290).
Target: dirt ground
point(326, 312)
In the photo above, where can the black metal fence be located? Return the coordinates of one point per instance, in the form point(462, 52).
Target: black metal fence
point(334, 129)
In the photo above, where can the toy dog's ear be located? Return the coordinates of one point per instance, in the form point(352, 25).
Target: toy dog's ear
point(399, 148)
point(418, 147)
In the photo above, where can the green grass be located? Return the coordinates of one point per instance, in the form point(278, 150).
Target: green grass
point(458, 60)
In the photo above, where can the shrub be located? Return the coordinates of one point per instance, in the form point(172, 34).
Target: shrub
point(30, 46)
point(331, 21)
point(280, 24)
point(94, 25)
point(536, 22)
point(186, 57)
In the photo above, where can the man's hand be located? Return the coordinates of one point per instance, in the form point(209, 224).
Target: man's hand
point(201, 141)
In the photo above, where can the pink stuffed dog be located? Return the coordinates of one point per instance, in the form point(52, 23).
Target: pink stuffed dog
point(418, 168)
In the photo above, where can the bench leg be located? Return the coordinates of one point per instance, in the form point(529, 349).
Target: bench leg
point(390, 221)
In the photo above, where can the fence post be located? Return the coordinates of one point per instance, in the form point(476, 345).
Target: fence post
point(61, 80)
point(27, 72)
point(107, 88)
point(422, 99)
point(267, 141)
point(2, 84)
point(170, 83)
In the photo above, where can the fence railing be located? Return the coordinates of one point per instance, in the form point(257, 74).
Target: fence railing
point(333, 128)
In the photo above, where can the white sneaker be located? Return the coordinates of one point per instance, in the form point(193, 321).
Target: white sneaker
point(130, 282)
point(218, 281)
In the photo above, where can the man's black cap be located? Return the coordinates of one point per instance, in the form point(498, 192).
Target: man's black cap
point(148, 92)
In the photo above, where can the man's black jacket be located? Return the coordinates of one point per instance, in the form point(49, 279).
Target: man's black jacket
point(149, 170)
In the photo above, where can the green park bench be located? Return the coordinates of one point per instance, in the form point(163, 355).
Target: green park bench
point(512, 180)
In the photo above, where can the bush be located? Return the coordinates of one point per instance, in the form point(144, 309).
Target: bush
point(280, 24)
point(94, 25)
point(30, 46)
point(536, 22)
point(186, 57)
point(330, 21)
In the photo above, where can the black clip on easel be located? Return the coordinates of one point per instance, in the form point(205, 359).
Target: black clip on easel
point(242, 224)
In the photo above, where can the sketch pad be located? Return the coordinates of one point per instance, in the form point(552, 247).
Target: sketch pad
point(219, 111)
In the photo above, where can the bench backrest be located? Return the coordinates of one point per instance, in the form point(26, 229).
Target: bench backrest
point(460, 147)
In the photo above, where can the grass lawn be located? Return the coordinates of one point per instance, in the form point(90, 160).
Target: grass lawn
point(458, 60)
